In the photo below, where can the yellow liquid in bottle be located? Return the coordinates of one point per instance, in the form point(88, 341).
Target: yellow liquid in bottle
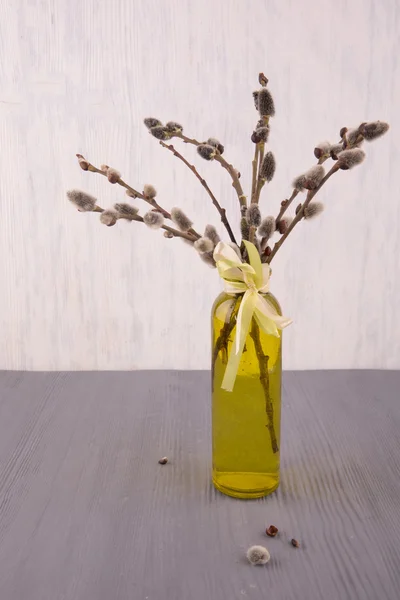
point(246, 421)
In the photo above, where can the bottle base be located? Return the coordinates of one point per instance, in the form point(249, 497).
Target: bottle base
point(247, 486)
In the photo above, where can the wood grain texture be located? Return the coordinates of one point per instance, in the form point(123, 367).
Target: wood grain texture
point(87, 513)
point(80, 76)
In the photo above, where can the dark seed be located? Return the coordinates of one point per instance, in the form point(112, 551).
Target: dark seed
point(271, 531)
point(163, 461)
point(295, 543)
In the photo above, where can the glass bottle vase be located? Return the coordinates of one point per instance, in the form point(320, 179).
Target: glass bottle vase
point(245, 421)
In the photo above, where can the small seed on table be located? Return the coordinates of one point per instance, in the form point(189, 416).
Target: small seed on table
point(271, 531)
point(163, 461)
point(295, 543)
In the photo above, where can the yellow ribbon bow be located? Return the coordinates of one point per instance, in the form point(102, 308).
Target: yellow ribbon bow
point(252, 280)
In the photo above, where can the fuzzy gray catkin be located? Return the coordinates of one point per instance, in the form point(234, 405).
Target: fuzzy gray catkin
point(113, 175)
point(350, 158)
point(244, 228)
point(255, 98)
point(322, 150)
point(266, 106)
point(160, 132)
point(309, 180)
point(173, 126)
point(298, 183)
point(152, 122)
point(258, 555)
point(109, 217)
point(216, 144)
point(373, 130)
point(149, 191)
point(354, 137)
point(203, 245)
point(335, 150)
point(260, 134)
point(253, 215)
point(206, 151)
point(268, 166)
point(314, 176)
point(83, 201)
point(211, 233)
point(267, 227)
point(180, 219)
point(126, 210)
point(208, 258)
point(313, 210)
point(153, 219)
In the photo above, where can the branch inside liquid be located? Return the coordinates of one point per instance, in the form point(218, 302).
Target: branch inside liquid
point(221, 344)
point(264, 379)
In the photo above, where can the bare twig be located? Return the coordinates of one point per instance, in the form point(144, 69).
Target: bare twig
point(228, 167)
point(203, 182)
point(183, 234)
point(300, 214)
point(136, 194)
point(285, 205)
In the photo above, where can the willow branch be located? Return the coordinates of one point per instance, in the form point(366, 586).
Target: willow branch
point(300, 214)
point(254, 172)
point(226, 330)
point(136, 194)
point(259, 150)
point(183, 234)
point(264, 379)
point(175, 232)
point(203, 182)
point(228, 167)
point(285, 205)
point(260, 182)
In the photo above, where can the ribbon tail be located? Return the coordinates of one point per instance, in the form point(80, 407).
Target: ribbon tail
point(244, 318)
point(269, 317)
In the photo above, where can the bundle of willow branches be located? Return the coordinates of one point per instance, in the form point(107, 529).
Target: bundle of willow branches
point(345, 154)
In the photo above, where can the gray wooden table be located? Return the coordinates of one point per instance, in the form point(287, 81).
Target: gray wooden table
point(87, 513)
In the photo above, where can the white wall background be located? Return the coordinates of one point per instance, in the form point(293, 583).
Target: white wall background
point(79, 77)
